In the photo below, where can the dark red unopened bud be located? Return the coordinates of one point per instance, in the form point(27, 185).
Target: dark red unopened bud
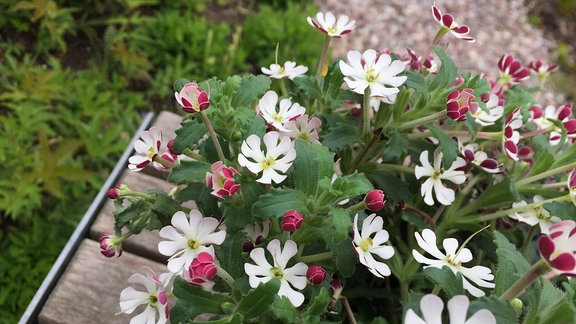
point(113, 193)
point(247, 246)
point(316, 274)
point(375, 200)
point(291, 221)
point(202, 269)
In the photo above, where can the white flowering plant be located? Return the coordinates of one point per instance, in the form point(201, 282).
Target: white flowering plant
point(377, 190)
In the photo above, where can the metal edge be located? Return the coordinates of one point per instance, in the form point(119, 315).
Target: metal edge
point(35, 306)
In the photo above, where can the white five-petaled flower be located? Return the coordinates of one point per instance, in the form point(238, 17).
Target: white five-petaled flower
point(453, 259)
point(154, 297)
point(289, 70)
point(435, 175)
point(493, 112)
point(535, 216)
point(279, 155)
point(263, 271)
point(188, 238)
point(147, 149)
point(432, 306)
point(329, 25)
point(370, 70)
point(286, 112)
point(371, 240)
point(303, 128)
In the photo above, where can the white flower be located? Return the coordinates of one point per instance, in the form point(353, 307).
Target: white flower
point(280, 154)
point(147, 149)
point(487, 118)
point(453, 259)
point(435, 175)
point(277, 118)
point(289, 70)
point(303, 128)
point(263, 271)
point(188, 238)
point(537, 216)
point(370, 241)
point(432, 306)
point(154, 298)
point(328, 24)
point(368, 70)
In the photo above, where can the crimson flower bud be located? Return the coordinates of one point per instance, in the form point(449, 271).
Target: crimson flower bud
point(110, 245)
point(375, 200)
point(291, 221)
point(316, 274)
point(113, 193)
point(557, 248)
point(192, 98)
point(202, 269)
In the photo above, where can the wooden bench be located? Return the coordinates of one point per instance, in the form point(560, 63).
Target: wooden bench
point(88, 289)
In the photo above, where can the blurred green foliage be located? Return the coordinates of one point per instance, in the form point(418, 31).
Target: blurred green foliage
point(75, 76)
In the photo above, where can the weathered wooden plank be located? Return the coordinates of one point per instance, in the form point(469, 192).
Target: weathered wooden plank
point(146, 243)
point(89, 290)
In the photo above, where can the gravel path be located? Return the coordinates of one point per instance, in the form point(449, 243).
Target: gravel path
point(499, 27)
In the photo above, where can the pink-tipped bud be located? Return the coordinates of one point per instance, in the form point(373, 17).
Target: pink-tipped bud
point(192, 98)
point(291, 221)
point(221, 180)
point(110, 245)
point(459, 102)
point(375, 200)
point(202, 269)
point(316, 274)
point(113, 193)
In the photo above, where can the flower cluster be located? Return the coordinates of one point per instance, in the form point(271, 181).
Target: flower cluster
point(381, 182)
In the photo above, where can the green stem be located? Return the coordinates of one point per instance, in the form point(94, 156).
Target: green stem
point(395, 167)
point(323, 57)
point(316, 257)
point(501, 213)
point(366, 113)
point(212, 135)
point(457, 133)
point(539, 268)
point(283, 87)
point(165, 163)
point(528, 239)
point(191, 154)
point(225, 276)
point(546, 174)
point(356, 208)
point(362, 154)
point(421, 121)
point(426, 217)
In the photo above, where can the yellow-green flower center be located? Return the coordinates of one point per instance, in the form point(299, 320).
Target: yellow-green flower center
point(437, 174)
point(152, 300)
point(371, 76)
point(451, 262)
point(365, 244)
point(277, 117)
point(304, 136)
point(268, 162)
point(193, 244)
point(151, 152)
point(276, 272)
point(332, 30)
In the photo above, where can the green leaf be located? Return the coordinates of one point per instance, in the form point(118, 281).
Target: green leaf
point(316, 306)
point(543, 157)
point(344, 256)
point(189, 171)
point(396, 146)
point(279, 201)
point(511, 264)
point(550, 306)
point(189, 134)
point(396, 190)
point(341, 223)
point(352, 185)
point(282, 309)
point(503, 312)
point(259, 300)
point(309, 85)
point(416, 81)
point(342, 133)
point(446, 144)
point(446, 279)
point(163, 208)
point(446, 74)
point(194, 300)
point(314, 162)
point(250, 88)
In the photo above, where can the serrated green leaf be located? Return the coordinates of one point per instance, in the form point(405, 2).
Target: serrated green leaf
point(194, 300)
point(345, 257)
point(189, 171)
point(180, 83)
point(503, 312)
point(314, 162)
point(341, 223)
point(444, 278)
point(395, 189)
point(309, 85)
point(164, 208)
point(259, 299)
point(279, 201)
point(352, 185)
point(396, 146)
point(496, 195)
point(283, 310)
point(342, 133)
point(447, 73)
point(250, 88)
point(446, 144)
point(189, 134)
point(511, 264)
point(416, 81)
point(317, 305)
point(543, 157)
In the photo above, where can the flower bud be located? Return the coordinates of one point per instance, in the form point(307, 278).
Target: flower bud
point(316, 274)
point(202, 269)
point(113, 193)
point(291, 221)
point(459, 102)
point(375, 200)
point(192, 98)
point(110, 244)
point(221, 180)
